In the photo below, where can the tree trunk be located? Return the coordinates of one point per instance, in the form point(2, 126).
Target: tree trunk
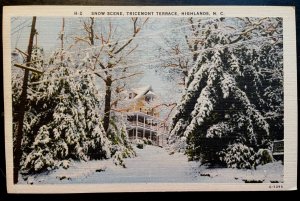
point(19, 136)
point(62, 34)
point(107, 106)
point(92, 31)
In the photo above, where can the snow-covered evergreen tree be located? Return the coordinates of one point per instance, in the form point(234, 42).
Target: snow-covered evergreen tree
point(37, 58)
point(117, 134)
point(64, 117)
point(234, 93)
point(62, 121)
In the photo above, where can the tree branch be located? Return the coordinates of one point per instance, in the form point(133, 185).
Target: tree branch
point(164, 104)
point(29, 68)
point(125, 45)
point(172, 105)
point(91, 31)
point(114, 103)
point(100, 76)
point(21, 52)
point(101, 65)
point(132, 50)
point(168, 116)
point(247, 30)
point(127, 76)
point(136, 30)
point(77, 39)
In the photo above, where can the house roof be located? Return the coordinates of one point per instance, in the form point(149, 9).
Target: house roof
point(141, 91)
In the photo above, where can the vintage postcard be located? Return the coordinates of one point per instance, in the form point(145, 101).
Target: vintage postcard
point(149, 98)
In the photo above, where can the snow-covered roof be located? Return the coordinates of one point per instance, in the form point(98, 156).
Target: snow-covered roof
point(141, 91)
point(151, 93)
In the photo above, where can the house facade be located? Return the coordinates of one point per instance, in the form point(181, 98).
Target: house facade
point(142, 116)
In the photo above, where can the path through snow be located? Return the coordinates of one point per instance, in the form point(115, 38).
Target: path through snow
point(154, 164)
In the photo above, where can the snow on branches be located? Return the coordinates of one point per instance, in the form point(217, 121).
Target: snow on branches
point(62, 121)
point(67, 118)
point(229, 89)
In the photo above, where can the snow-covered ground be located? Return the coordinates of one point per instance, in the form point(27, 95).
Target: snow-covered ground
point(154, 164)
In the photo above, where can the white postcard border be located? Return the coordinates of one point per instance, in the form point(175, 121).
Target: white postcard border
point(290, 96)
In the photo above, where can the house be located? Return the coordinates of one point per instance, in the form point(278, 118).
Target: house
point(143, 116)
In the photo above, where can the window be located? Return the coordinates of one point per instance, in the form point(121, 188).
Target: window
point(147, 98)
point(130, 95)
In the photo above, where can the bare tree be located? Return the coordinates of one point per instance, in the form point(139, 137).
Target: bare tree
point(180, 49)
point(112, 52)
point(177, 63)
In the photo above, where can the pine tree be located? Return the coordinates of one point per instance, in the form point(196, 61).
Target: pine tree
point(235, 84)
point(64, 117)
point(62, 121)
point(117, 134)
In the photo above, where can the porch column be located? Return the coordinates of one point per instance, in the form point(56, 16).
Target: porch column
point(150, 129)
point(144, 127)
point(157, 138)
point(162, 138)
point(136, 127)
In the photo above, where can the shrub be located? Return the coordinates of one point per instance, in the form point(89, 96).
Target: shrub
point(139, 143)
point(147, 141)
point(140, 146)
point(238, 156)
point(264, 156)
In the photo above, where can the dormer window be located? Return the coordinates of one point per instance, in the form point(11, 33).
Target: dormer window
point(147, 98)
point(130, 95)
